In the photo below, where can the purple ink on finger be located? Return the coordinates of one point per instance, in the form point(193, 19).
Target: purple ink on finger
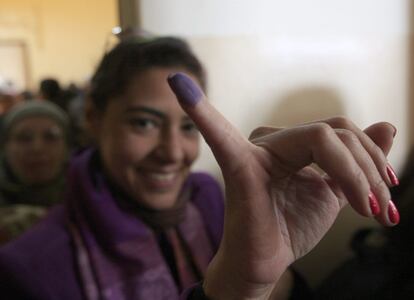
point(186, 90)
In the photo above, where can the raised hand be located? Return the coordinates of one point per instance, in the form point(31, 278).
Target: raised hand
point(278, 207)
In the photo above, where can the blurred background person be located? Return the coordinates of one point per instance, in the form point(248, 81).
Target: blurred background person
point(34, 152)
point(26, 95)
point(71, 100)
point(76, 112)
point(50, 90)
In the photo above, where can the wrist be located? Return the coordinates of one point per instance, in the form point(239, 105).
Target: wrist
point(224, 283)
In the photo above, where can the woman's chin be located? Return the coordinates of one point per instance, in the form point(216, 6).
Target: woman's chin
point(158, 202)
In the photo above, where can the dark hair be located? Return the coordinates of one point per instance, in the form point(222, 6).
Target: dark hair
point(50, 88)
point(133, 56)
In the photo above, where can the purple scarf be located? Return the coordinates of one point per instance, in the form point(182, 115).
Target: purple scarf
point(118, 255)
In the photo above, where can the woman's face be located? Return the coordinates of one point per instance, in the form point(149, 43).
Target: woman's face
point(36, 149)
point(147, 142)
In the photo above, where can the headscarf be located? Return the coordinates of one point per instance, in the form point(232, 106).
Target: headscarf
point(33, 108)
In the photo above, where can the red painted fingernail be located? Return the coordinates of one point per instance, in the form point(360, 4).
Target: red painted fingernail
point(391, 174)
point(393, 213)
point(373, 204)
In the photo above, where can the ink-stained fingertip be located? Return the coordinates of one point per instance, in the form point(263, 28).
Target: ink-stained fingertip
point(187, 91)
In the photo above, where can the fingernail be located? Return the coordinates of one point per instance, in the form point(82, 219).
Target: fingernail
point(393, 214)
point(186, 90)
point(373, 204)
point(391, 174)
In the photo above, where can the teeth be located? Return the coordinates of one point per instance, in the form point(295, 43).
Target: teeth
point(162, 176)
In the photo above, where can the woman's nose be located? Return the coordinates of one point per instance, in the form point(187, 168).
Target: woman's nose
point(171, 146)
point(37, 143)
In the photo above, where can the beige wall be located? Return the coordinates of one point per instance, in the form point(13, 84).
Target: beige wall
point(64, 39)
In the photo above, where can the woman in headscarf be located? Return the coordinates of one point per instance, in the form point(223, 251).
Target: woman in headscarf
point(34, 151)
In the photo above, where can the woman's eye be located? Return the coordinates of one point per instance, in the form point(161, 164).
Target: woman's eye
point(190, 128)
point(23, 137)
point(143, 124)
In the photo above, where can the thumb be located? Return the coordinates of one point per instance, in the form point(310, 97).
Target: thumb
point(225, 141)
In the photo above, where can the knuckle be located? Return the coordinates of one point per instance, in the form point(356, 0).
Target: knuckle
point(376, 151)
point(320, 132)
point(359, 176)
point(342, 122)
point(348, 137)
point(378, 184)
point(380, 189)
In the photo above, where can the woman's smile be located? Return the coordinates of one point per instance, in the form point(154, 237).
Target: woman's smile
point(161, 181)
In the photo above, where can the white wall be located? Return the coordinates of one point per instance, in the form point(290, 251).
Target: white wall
point(279, 62)
point(234, 17)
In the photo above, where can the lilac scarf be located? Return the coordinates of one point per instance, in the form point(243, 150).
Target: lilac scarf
point(118, 255)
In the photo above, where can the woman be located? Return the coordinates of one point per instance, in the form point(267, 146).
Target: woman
point(138, 224)
point(32, 163)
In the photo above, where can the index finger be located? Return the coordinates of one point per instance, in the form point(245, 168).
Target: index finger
point(225, 141)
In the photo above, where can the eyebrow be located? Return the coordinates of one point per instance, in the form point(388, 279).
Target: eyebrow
point(150, 110)
point(146, 109)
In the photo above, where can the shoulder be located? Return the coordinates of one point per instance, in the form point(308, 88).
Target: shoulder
point(47, 234)
point(40, 263)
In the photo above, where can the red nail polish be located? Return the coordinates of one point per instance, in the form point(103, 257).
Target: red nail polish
point(373, 204)
point(393, 213)
point(391, 174)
